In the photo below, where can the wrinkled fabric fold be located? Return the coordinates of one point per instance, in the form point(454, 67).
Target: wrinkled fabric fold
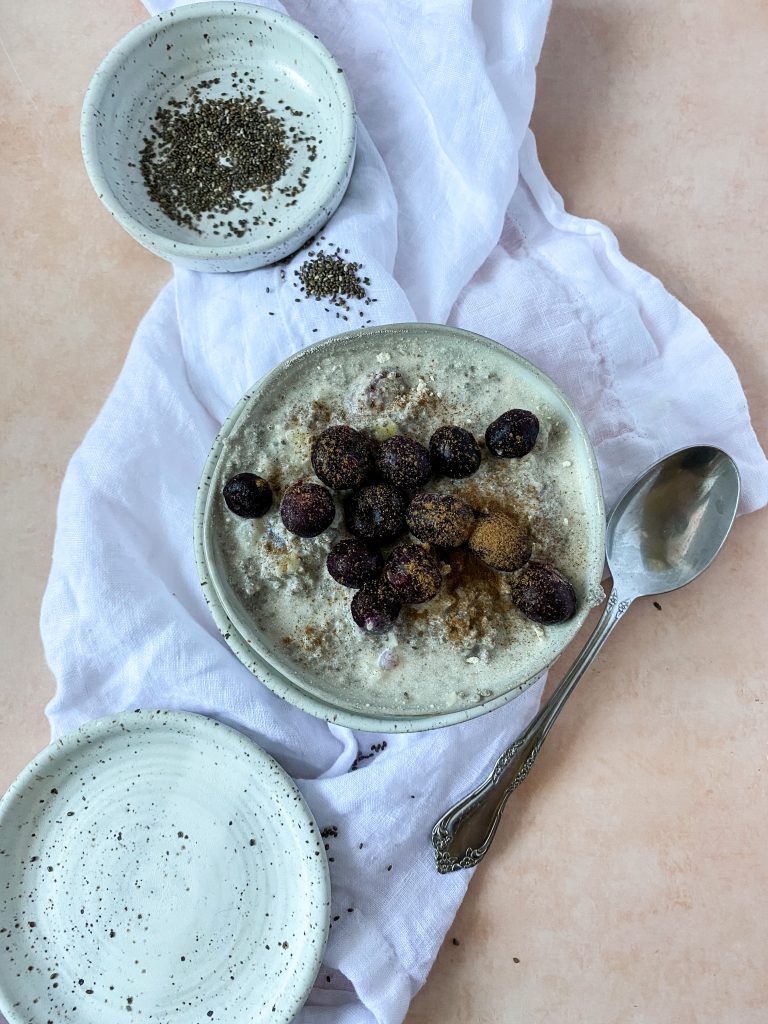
point(454, 221)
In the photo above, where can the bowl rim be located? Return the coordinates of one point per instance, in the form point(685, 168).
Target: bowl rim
point(162, 244)
point(269, 674)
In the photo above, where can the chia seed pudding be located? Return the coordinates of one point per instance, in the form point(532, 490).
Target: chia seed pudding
point(469, 643)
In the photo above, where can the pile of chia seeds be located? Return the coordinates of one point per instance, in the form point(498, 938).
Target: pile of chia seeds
point(205, 153)
point(328, 276)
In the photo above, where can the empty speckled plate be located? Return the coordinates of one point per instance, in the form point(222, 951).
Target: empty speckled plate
point(158, 866)
point(224, 48)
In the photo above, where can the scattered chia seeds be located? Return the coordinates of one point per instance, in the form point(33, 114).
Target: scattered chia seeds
point(205, 153)
point(329, 276)
point(376, 748)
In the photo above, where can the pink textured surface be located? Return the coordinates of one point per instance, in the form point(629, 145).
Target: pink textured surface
point(629, 872)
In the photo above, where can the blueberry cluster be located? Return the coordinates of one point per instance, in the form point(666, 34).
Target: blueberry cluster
point(384, 499)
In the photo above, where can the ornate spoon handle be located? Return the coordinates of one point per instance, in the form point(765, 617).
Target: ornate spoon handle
point(462, 836)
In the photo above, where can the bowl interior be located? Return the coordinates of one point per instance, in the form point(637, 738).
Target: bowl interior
point(160, 60)
point(378, 700)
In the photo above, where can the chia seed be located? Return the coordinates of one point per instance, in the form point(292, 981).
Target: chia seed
point(204, 154)
point(329, 276)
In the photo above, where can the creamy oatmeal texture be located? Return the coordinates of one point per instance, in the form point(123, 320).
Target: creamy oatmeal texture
point(467, 645)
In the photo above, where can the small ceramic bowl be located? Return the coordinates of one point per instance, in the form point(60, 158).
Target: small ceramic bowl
point(159, 61)
point(345, 687)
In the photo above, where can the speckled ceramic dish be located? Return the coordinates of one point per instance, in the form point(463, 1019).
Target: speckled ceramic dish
point(429, 688)
point(158, 61)
point(158, 866)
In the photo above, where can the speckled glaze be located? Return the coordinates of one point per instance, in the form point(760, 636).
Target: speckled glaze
point(256, 650)
point(159, 60)
point(158, 866)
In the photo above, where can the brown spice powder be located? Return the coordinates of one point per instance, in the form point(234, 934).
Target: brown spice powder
point(475, 592)
point(501, 542)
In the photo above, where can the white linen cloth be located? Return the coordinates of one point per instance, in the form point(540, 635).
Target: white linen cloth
point(454, 221)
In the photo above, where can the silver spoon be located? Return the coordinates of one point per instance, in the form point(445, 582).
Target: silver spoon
point(664, 532)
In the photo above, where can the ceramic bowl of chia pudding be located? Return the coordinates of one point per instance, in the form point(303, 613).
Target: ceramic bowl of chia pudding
point(401, 527)
point(220, 135)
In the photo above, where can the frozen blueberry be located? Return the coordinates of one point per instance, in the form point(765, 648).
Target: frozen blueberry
point(375, 607)
point(455, 452)
point(413, 573)
point(307, 509)
point(376, 512)
point(441, 519)
point(352, 563)
point(513, 434)
point(247, 495)
point(501, 542)
point(342, 457)
point(389, 659)
point(404, 463)
point(384, 390)
point(543, 594)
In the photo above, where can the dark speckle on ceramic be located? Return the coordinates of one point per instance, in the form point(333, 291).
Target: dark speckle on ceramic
point(159, 60)
point(159, 865)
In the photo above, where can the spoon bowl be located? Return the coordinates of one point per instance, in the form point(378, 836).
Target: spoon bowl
point(669, 525)
point(665, 530)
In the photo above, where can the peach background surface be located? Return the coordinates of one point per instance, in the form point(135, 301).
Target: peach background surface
point(628, 881)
